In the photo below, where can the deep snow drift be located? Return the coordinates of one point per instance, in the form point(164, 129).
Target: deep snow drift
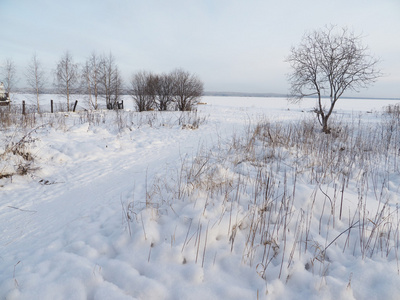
point(244, 199)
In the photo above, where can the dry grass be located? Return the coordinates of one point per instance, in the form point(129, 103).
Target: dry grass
point(18, 130)
point(345, 204)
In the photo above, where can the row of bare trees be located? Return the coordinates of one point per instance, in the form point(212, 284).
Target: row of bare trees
point(177, 90)
point(35, 76)
point(100, 79)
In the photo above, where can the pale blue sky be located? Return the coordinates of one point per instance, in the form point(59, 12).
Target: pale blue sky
point(237, 46)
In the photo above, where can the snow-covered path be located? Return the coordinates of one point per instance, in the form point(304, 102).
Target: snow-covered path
point(78, 196)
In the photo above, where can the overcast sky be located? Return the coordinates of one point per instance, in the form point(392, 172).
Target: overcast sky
point(236, 46)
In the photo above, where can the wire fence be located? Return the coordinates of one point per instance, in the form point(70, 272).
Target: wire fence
point(54, 107)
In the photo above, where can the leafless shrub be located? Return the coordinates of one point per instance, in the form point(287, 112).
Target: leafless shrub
point(164, 91)
point(16, 157)
point(179, 88)
point(142, 91)
point(188, 89)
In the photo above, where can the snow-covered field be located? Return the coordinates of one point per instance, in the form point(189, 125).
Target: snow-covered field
point(254, 203)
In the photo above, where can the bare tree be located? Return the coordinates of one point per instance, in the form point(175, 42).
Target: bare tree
point(327, 63)
point(8, 74)
point(110, 80)
point(116, 90)
point(152, 83)
point(188, 89)
point(67, 76)
point(164, 90)
point(86, 83)
point(91, 78)
point(36, 77)
point(142, 90)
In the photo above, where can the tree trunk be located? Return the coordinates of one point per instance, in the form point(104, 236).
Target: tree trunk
point(325, 128)
point(37, 99)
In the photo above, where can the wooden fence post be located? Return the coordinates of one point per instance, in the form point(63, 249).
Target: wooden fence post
point(23, 107)
point(76, 102)
point(51, 104)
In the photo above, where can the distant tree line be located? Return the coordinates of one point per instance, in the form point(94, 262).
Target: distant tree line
point(99, 78)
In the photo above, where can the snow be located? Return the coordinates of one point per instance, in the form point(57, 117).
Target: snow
point(138, 206)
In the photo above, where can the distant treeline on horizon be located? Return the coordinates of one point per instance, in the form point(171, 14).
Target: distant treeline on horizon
point(208, 93)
